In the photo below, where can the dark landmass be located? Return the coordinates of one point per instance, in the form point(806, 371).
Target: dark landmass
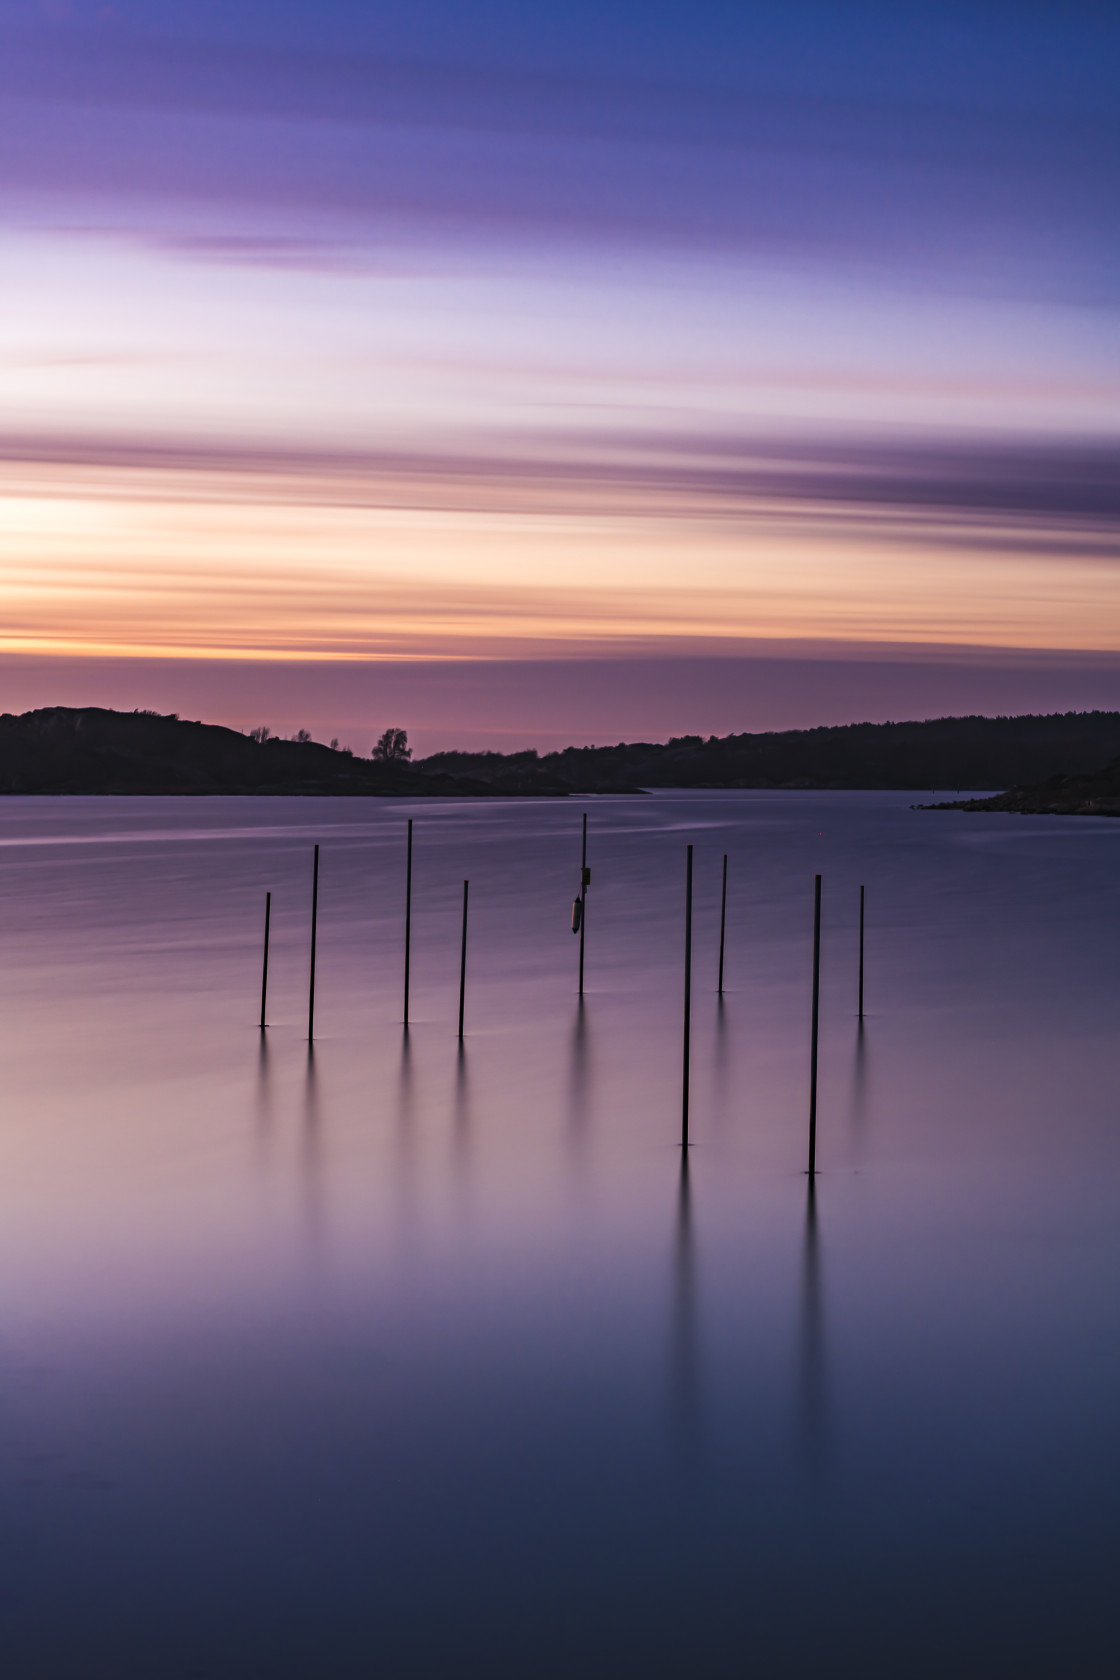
point(962, 752)
point(62, 749)
point(1095, 795)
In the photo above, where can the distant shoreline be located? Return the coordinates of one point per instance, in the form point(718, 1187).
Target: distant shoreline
point(1054, 759)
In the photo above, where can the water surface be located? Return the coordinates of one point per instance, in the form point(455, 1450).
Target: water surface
point(392, 1358)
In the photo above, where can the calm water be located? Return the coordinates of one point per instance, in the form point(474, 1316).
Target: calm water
point(396, 1362)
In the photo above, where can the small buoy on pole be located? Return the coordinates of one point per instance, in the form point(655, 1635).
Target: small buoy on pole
point(861, 894)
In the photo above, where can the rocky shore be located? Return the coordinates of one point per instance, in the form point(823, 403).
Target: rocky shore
point(1095, 795)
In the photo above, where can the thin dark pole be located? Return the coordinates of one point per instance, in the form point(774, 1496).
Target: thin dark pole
point(583, 900)
point(687, 992)
point(264, 970)
point(861, 893)
point(816, 1020)
point(722, 922)
point(314, 927)
point(407, 918)
point(463, 962)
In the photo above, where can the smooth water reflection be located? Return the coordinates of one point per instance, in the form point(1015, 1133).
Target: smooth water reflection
point(813, 1383)
point(391, 1355)
point(685, 1378)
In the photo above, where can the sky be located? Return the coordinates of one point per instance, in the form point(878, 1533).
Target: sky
point(524, 373)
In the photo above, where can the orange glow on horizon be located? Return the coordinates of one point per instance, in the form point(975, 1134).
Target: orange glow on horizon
point(199, 564)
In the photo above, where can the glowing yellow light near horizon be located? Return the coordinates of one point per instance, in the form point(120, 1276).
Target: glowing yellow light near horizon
point(190, 564)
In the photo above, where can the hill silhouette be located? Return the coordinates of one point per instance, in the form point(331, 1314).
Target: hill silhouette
point(955, 752)
point(63, 749)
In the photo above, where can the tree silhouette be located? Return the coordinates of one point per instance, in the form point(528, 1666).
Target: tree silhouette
point(394, 746)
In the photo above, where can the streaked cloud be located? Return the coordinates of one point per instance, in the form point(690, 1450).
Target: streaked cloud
point(342, 335)
point(156, 550)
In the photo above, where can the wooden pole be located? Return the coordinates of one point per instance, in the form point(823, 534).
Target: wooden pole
point(687, 993)
point(407, 917)
point(816, 1021)
point(861, 895)
point(583, 900)
point(722, 923)
point(264, 969)
point(463, 962)
point(314, 928)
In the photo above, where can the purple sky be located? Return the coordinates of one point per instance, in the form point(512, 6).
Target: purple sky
point(523, 373)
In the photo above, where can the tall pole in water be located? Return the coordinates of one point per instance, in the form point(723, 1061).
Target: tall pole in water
point(816, 1020)
point(264, 967)
point(314, 927)
point(861, 893)
point(463, 962)
point(583, 900)
point(407, 917)
point(687, 993)
point(722, 923)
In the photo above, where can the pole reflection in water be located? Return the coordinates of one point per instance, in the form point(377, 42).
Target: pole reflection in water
point(578, 1135)
point(813, 1391)
point(462, 1139)
point(405, 1150)
point(720, 1065)
point(684, 1350)
point(859, 1089)
point(311, 1164)
point(264, 1127)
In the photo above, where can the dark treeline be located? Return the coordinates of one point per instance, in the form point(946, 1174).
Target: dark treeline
point(62, 749)
point(962, 752)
